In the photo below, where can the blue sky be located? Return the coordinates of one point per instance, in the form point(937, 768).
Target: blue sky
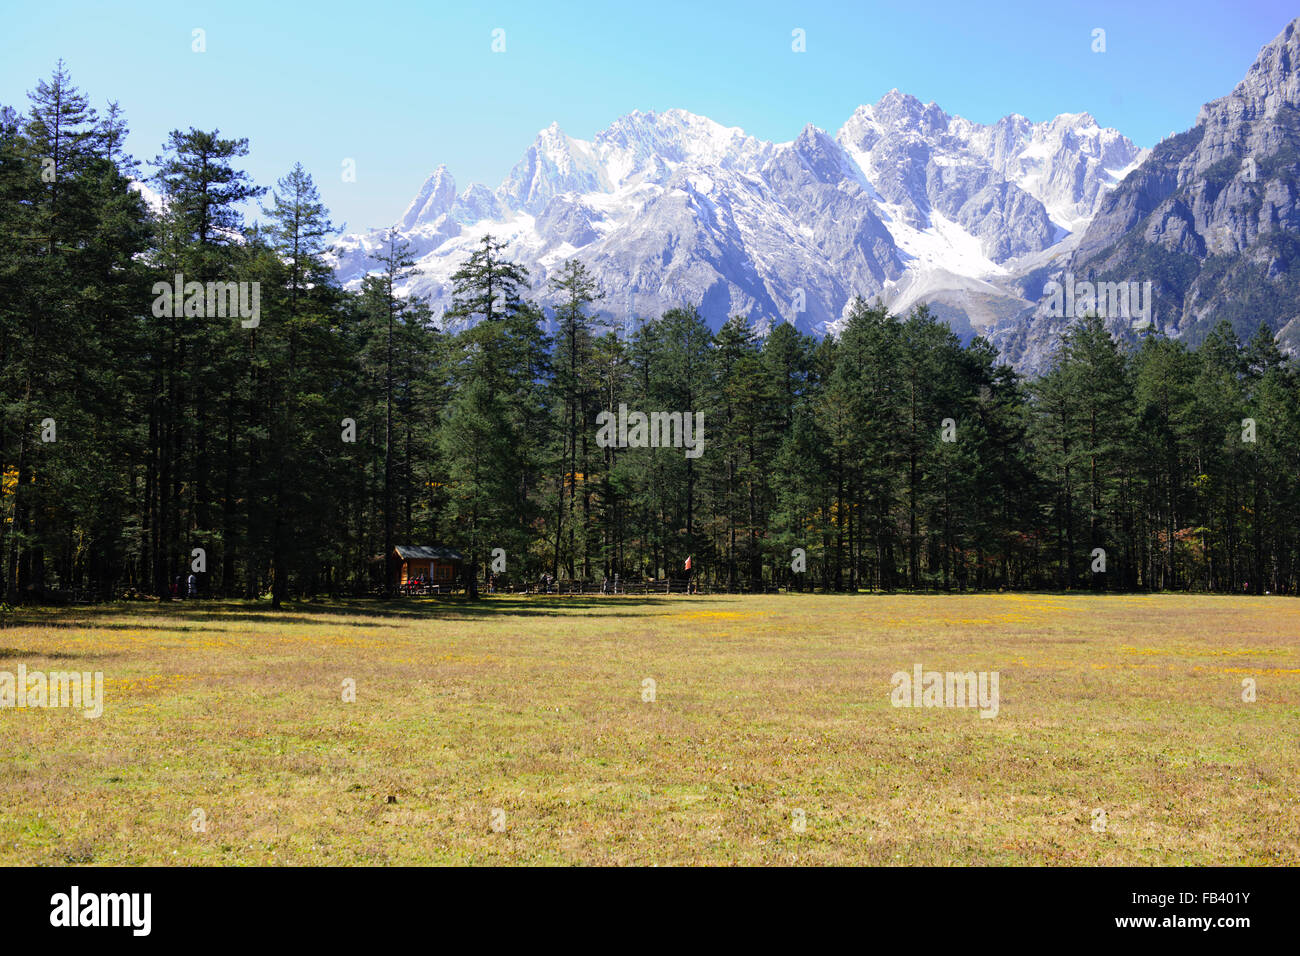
point(400, 87)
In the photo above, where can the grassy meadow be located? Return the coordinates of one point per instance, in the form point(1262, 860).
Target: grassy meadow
point(515, 732)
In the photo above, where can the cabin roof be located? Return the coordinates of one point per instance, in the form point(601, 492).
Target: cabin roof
point(428, 552)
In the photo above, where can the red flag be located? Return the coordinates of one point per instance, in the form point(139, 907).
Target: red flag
point(688, 564)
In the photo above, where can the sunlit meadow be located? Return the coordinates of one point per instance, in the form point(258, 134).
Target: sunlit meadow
point(520, 730)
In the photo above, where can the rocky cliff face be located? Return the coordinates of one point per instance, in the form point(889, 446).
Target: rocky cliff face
point(1210, 219)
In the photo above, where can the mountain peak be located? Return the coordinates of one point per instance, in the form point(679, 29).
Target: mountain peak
point(1076, 119)
point(811, 132)
point(899, 110)
point(1273, 80)
point(554, 164)
point(1210, 214)
point(674, 207)
point(898, 97)
point(434, 198)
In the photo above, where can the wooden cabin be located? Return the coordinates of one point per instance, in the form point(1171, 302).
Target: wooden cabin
point(436, 563)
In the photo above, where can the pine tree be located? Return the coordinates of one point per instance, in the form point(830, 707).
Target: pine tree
point(574, 388)
point(495, 420)
point(388, 310)
point(299, 224)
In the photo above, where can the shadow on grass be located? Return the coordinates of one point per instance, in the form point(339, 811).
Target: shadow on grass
point(87, 620)
point(443, 608)
point(334, 611)
point(13, 653)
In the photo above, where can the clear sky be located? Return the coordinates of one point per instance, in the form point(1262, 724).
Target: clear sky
point(400, 87)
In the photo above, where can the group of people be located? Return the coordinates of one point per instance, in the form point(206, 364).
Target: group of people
point(418, 582)
point(183, 587)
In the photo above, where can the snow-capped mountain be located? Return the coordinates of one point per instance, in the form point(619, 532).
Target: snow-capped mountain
point(904, 203)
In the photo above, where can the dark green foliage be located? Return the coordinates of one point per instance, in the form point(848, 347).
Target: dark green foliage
point(298, 450)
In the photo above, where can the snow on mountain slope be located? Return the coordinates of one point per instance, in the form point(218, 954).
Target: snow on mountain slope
point(905, 203)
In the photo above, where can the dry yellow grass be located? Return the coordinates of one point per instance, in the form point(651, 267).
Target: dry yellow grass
point(764, 706)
